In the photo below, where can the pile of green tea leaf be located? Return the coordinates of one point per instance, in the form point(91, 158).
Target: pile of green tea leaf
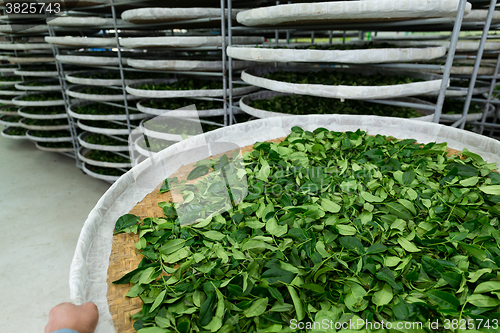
point(106, 156)
point(60, 145)
point(180, 127)
point(104, 171)
point(302, 104)
point(335, 227)
point(44, 110)
point(177, 103)
point(95, 90)
point(41, 83)
point(116, 76)
point(183, 84)
point(101, 109)
point(45, 122)
point(13, 78)
point(8, 88)
point(15, 131)
point(51, 96)
point(9, 108)
point(104, 140)
point(50, 134)
point(10, 119)
point(339, 78)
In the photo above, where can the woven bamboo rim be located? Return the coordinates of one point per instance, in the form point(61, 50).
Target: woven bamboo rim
point(124, 257)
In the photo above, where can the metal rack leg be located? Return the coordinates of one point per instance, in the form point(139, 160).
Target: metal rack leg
point(230, 59)
point(477, 63)
point(449, 60)
point(224, 59)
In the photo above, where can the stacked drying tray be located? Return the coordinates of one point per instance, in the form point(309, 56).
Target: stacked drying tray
point(361, 83)
point(195, 58)
point(8, 112)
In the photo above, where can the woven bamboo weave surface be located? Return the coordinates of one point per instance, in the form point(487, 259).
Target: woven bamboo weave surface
point(124, 257)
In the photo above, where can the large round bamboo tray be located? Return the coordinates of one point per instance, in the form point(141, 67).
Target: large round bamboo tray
point(88, 277)
point(25, 46)
point(182, 113)
point(247, 100)
point(161, 14)
point(8, 113)
point(433, 83)
point(82, 41)
point(84, 21)
point(89, 60)
point(185, 65)
point(100, 130)
point(145, 152)
point(451, 118)
point(53, 149)
point(99, 82)
point(8, 68)
point(23, 86)
point(44, 128)
point(349, 11)
point(17, 101)
point(24, 72)
point(30, 60)
point(12, 93)
point(77, 115)
point(184, 41)
point(40, 139)
point(40, 116)
point(82, 156)
point(5, 134)
point(83, 143)
point(11, 124)
point(183, 93)
point(9, 83)
point(107, 178)
point(23, 29)
point(74, 92)
point(290, 53)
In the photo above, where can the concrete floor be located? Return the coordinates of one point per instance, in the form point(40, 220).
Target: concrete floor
point(44, 201)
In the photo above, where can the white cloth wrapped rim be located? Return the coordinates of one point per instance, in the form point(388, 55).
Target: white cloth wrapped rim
point(54, 150)
point(21, 113)
point(100, 130)
point(247, 100)
point(76, 115)
point(88, 274)
point(162, 14)
point(9, 83)
point(85, 21)
point(349, 11)
point(185, 65)
point(30, 60)
point(184, 41)
point(183, 93)
point(12, 93)
point(17, 101)
point(89, 60)
point(22, 72)
point(83, 151)
point(24, 46)
point(110, 179)
point(22, 86)
point(98, 82)
point(39, 139)
point(267, 54)
point(8, 69)
point(82, 41)
point(22, 28)
point(433, 83)
point(181, 113)
point(43, 128)
point(83, 143)
point(6, 101)
point(161, 135)
point(74, 92)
